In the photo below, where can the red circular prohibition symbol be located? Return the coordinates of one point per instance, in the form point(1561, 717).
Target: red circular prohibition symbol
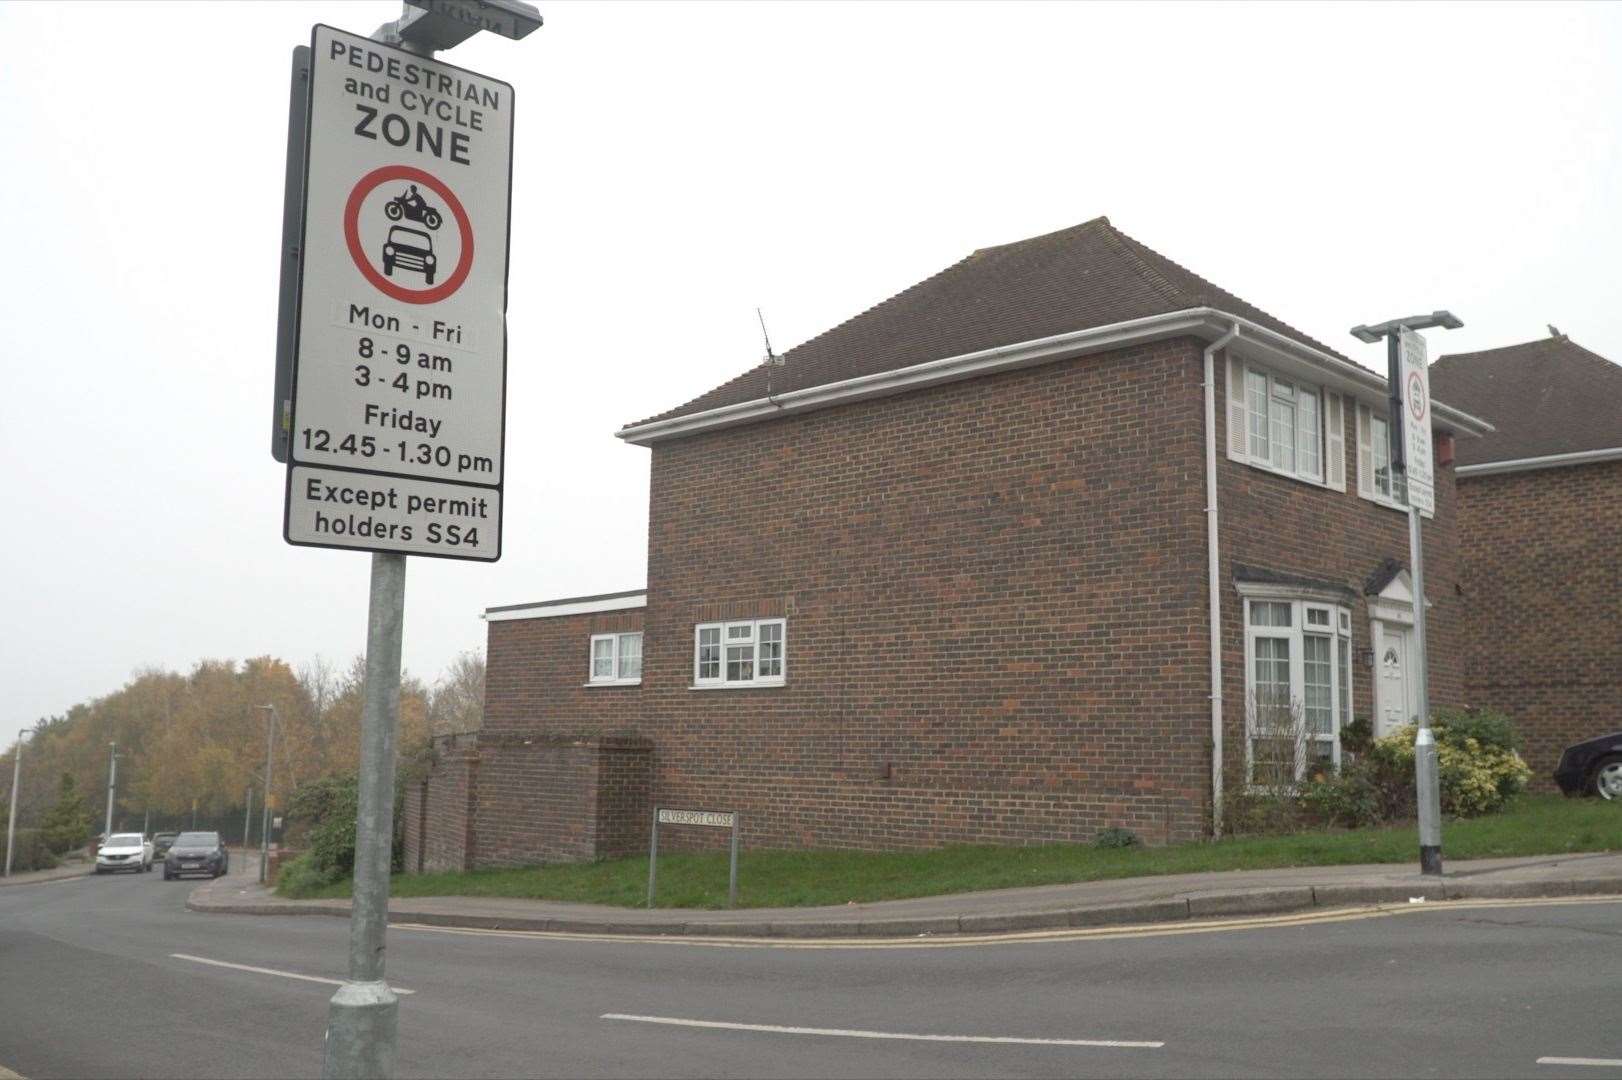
point(1416, 396)
point(364, 188)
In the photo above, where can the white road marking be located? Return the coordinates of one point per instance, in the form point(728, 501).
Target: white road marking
point(850, 1034)
point(1615, 1063)
point(272, 971)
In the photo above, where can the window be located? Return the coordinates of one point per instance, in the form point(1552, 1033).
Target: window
point(616, 659)
point(1285, 425)
point(1381, 445)
point(1298, 684)
point(745, 653)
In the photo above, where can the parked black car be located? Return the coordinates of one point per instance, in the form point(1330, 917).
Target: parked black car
point(1592, 768)
point(196, 853)
point(162, 842)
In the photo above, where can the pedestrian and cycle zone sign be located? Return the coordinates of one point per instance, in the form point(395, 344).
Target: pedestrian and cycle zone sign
point(399, 384)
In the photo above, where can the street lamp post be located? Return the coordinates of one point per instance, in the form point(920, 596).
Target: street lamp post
point(11, 817)
point(247, 818)
point(264, 827)
point(1426, 779)
point(112, 784)
point(16, 782)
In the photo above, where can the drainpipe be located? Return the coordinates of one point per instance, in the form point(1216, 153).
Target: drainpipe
point(1212, 572)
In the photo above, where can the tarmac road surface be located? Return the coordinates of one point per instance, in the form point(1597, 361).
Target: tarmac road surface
point(111, 976)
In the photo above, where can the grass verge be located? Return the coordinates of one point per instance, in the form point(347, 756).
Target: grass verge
point(1532, 825)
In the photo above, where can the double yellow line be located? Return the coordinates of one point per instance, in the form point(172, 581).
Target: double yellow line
point(961, 941)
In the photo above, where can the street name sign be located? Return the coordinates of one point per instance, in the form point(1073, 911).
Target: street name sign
point(1416, 423)
point(400, 362)
point(713, 818)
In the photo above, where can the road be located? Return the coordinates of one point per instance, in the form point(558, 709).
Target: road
point(90, 986)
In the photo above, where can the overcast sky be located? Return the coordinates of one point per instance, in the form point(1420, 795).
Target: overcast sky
point(676, 166)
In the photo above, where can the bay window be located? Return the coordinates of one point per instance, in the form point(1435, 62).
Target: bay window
point(1298, 685)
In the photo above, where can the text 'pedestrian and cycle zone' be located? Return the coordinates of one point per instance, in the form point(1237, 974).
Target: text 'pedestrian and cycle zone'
point(400, 368)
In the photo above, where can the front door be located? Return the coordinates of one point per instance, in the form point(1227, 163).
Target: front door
point(1395, 706)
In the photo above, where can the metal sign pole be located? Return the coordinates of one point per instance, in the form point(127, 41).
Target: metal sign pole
point(653, 856)
point(1410, 418)
point(363, 1018)
point(732, 879)
point(264, 825)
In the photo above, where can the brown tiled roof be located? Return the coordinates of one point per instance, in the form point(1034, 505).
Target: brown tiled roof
point(1545, 397)
point(1086, 276)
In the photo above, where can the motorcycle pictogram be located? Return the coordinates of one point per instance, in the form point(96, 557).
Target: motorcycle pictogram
point(414, 207)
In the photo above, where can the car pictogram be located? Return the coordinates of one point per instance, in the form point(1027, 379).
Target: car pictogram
point(410, 249)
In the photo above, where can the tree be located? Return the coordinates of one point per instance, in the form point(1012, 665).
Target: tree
point(456, 704)
point(68, 824)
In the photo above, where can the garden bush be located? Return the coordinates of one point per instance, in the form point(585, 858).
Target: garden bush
point(30, 851)
point(1476, 777)
point(300, 877)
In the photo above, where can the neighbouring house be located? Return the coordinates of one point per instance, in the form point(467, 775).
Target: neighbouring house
point(1540, 539)
point(1061, 538)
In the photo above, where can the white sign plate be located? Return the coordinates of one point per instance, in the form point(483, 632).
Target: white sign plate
point(712, 818)
point(400, 363)
point(1416, 423)
point(359, 510)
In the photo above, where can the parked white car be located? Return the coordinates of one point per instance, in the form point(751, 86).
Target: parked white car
point(124, 851)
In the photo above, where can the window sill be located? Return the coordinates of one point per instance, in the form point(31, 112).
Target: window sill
point(612, 682)
point(762, 684)
point(1317, 482)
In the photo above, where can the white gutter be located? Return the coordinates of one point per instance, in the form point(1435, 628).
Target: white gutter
point(1213, 579)
point(557, 609)
point(1549, 461)
point(1206, 322)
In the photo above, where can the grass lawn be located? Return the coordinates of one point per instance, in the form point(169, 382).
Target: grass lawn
point(1533, 825)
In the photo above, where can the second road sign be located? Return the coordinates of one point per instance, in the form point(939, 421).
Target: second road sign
point(400, 366)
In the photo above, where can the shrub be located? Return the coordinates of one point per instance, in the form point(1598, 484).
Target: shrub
point(1116, 838)
point(301, 876)
point(29, 851)
point(1357, 736)
point(326, 810)
point(1490, 729)
point(1475, 777)
point(1351, 799)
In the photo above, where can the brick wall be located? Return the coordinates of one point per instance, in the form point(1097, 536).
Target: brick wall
point(440, 810)
point(1542, 556)
point(988, 588)
point(995, 598)
point(561, 797)
point(1291, 527)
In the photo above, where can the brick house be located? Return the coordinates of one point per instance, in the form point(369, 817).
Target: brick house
point(1039, 546)
point(1540, 539)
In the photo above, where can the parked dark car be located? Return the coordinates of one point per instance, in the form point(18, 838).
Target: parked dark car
point(162, 842)
point(196, 853)
point(1592, 768)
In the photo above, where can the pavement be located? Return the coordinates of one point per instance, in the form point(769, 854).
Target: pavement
point(35, 877)
point(1124, 902)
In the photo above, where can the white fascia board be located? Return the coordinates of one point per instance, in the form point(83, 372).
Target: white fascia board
point(1549, 461)
point(1204, 322)
point(553, 611)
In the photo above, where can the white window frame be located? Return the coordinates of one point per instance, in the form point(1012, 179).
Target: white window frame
point(1276, 393)
point(1337, 628)
point(1368, 461)
point(616, 654)
point(738, 635)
